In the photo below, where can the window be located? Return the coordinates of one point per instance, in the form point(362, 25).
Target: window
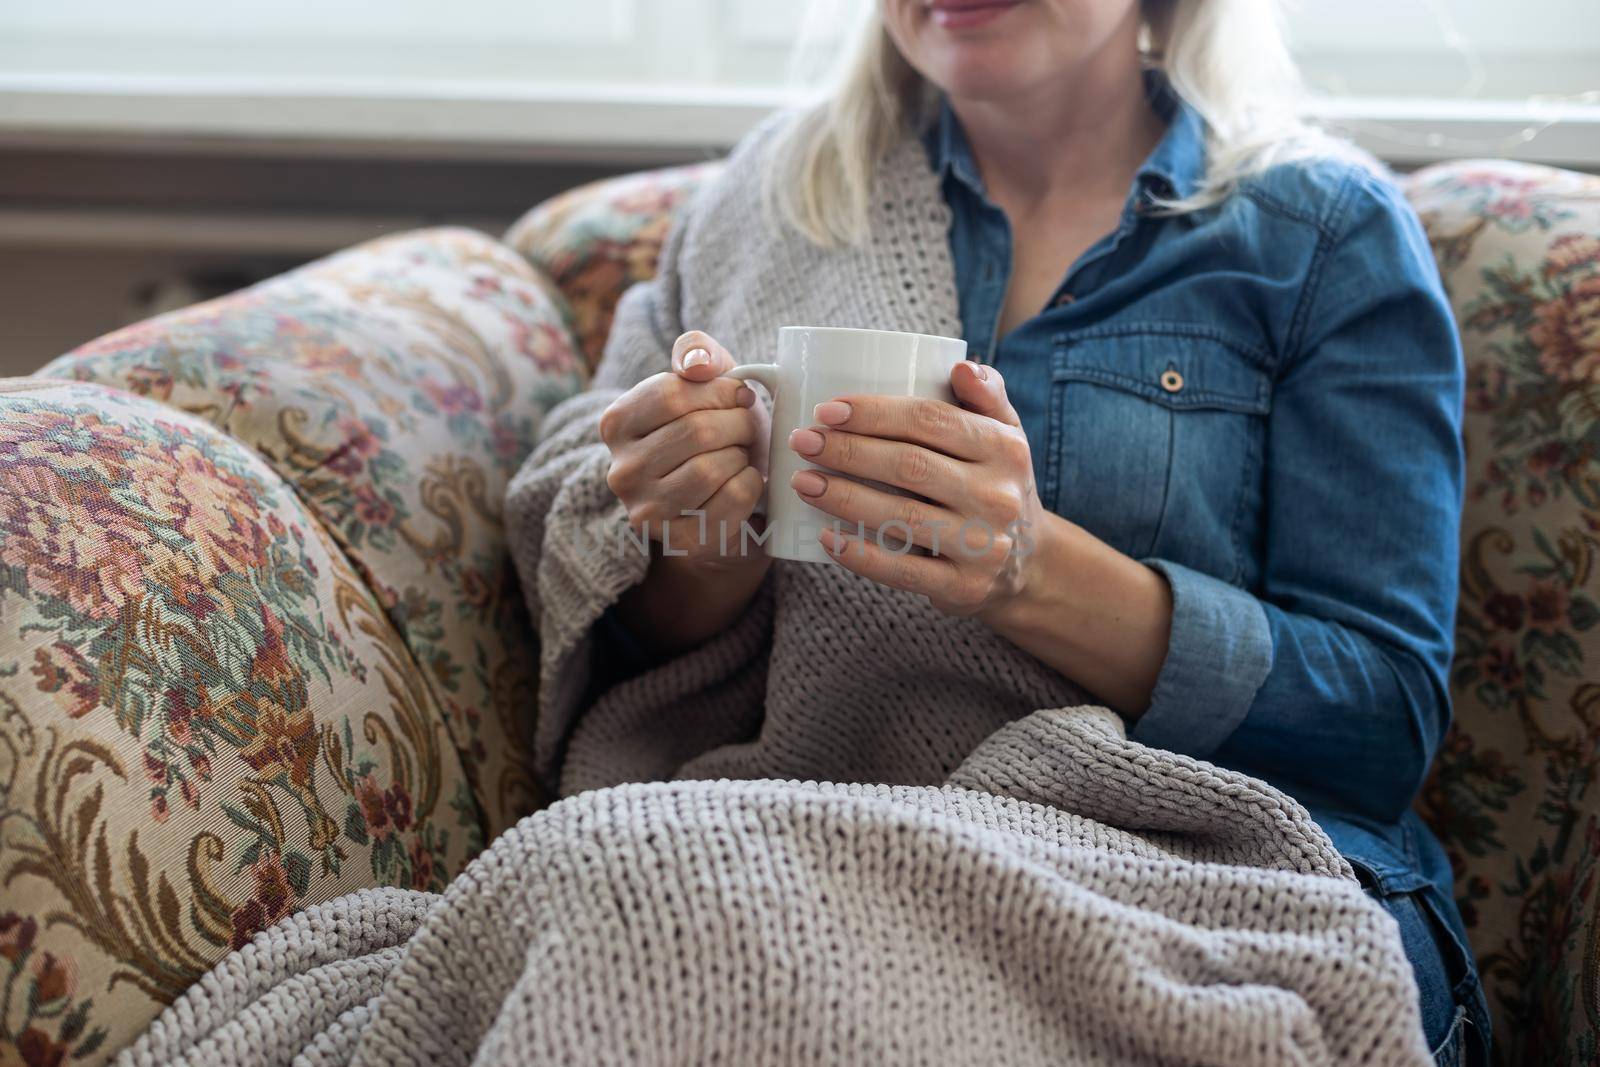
point(1420, 76)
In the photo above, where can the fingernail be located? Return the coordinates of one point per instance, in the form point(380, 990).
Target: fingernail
point(806, 442)
point(694, 357)
point(745, 397)
point(831, 412)
point(833, 542)
point(808, 483)
point(980, 370)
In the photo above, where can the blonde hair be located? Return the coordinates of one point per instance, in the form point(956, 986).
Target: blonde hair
point(1228, 59)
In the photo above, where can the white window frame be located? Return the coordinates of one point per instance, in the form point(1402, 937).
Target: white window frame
point(469, 96)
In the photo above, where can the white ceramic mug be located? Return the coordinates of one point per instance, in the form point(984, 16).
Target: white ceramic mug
point(817, 363)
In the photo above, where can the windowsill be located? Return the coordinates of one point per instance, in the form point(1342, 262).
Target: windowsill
point(622, 123)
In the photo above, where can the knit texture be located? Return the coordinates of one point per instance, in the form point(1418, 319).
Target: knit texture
point(1198, 918)
point(946, 859)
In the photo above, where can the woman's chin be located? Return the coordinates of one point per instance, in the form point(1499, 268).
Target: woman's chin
point(982, 77)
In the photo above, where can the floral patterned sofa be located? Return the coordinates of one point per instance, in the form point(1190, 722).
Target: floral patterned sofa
point(261, 644)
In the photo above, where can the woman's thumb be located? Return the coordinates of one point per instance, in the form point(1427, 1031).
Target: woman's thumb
point(698, 358)
point(980, 389)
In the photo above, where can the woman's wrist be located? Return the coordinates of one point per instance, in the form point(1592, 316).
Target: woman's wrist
point(1101, 618)
point(685, 600)
point(1039, 593)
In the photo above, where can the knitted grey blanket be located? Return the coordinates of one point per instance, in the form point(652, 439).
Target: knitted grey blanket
point(937, 854)
point(1010, 917)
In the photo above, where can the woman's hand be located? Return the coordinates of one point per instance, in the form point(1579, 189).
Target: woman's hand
point(1047, 585)
point(689, 440)
point(978, 511)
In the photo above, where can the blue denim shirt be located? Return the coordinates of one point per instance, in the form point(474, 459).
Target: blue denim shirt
point(1261, 400)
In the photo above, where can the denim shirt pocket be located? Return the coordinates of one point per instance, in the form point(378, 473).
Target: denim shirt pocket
point(1155, 440)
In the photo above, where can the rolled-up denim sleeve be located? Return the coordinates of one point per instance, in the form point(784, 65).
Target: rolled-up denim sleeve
point(1329, 674)
point(1218, 654)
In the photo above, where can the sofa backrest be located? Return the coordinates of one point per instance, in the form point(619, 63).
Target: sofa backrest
point(597, 239)
point(1513, 794)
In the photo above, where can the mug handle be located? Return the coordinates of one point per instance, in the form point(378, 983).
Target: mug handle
point(765, 373)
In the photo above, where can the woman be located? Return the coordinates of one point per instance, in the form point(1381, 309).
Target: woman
point(1212, 373)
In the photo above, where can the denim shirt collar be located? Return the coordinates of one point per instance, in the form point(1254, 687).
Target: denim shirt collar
point(1174, 168)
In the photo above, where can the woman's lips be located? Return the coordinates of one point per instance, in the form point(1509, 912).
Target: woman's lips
point(965, 14)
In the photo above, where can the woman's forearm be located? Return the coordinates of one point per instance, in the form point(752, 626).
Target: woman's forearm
point(683, 602)
point(1092, 613)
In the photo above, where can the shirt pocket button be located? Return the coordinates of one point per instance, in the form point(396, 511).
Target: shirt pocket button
point(1171, 381)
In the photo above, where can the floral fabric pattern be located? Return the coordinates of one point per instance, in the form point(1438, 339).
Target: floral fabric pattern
point(596, 240)
point(396, 387)
point(213, 713)
point(206, 719)
point(1514, 795)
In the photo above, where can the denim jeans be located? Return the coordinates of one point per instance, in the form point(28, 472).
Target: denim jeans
point(1455, 1013)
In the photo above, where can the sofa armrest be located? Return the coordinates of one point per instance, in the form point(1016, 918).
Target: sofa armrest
point(395, 388)
point(206, 719)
